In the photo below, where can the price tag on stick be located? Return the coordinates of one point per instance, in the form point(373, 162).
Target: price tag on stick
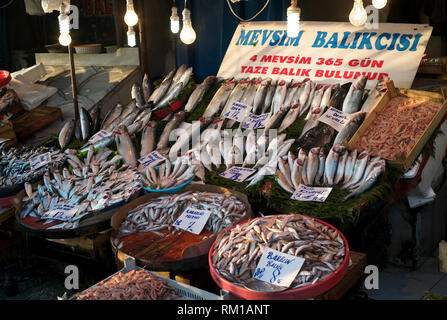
point(278, 268)
point(238, 112)
point(40, 161)
point(255, 121)
point(305, 193)
point(62, 212)
point(151, 159)
point(192, 220)
point(238, 174)
point(335, 118)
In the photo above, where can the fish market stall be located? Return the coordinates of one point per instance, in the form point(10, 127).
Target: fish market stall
point(161, 233)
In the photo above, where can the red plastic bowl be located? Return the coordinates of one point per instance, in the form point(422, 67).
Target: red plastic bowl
point(6, 202)
point(303, 293)
point(5, 78)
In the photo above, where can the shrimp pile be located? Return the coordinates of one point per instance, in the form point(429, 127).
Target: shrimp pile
point(134, 285)
point(398, 127)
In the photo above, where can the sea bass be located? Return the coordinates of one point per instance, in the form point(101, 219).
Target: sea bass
point(354, 97)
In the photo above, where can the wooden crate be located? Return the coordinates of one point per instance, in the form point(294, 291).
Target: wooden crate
point(34, 120)
point(405, 162)
point(7, 132)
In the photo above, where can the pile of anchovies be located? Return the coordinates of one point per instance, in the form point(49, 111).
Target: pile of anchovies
point(15, 165)
point(238, 251)
point(161, 213)
point(94, 184)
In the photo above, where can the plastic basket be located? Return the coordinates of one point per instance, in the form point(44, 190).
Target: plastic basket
point(172, 190)
point(5, 78)
point(303, 293)
point(184, 290)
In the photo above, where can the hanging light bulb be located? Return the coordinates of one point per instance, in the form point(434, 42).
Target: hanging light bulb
point(358, 15)
point(65, 40)
point(64, 27)
point(293, 20)
point(175, 20)
point(379, 4)
point(187, 35)
point(131, 37)
point(130, 18)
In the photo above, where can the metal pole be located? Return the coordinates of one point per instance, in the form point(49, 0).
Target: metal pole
point(74, 86)
point(142, 46)
point(118, 24)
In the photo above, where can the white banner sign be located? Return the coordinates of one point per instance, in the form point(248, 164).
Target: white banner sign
point(326, 52)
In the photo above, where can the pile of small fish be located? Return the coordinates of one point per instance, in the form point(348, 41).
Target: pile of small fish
point(355, 173)
point(167, 175)
point(93, 184)
point(15, 165)
point(133, 285)
point(160, 213)
point(398, 127)
point(237, 251)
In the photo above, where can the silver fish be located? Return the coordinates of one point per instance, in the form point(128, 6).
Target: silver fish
point(162, 89)
point(147, 87)
point(148, 139)
point(137, 95)
point(178, 118)
point(86, 122)
point(378, 169)
point(172, 94)
point(219, 99)
point(350, 128)
point(330, 168)
point(261, 92)
point(199, 92)
point(126, 147)
point(353, 100)
point(279, 96)
point(67, 133)
point(269, 96)
point(359, 169)
point(341, 167)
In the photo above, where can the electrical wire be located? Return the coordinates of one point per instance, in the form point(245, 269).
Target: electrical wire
point(246, 20)
point(7, 5)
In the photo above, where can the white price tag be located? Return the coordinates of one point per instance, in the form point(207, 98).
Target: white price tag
point(316, 194)
point(151, 159)
point(40, 161)
point(238, 174)
point(62, 212)
point(255, 121)
point(192, 220)
point(237, 112)
point(99, 136)
point(335, 118)
point(278, 268)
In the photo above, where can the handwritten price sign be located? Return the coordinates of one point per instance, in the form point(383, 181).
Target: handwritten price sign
point(278, 268)
point(151, 159)
point(40, 161)
point(238, 112)
point(99, 136)
point(62, 212)
point(335, 118)
point(192, 220)
point(317, 194)
point(238, 174)
point(255, 121)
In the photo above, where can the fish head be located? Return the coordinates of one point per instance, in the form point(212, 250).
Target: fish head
point(361, 82)
point(315, 151)
point(363, 155)
point(282, 83)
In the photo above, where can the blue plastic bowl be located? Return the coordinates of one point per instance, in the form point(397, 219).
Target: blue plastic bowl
point(173, 189)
